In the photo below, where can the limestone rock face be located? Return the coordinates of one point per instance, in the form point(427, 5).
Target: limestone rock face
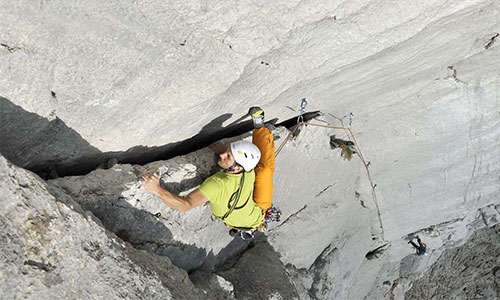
point(469, 271)
point(117, 88)
point(117, 198)
point(191, 240)
point(52, 249)
point(256, 275)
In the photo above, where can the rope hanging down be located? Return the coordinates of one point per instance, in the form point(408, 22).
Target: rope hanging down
point(374, 195)
point(300, 121)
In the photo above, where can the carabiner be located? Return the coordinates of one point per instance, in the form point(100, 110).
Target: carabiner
point(303, 105)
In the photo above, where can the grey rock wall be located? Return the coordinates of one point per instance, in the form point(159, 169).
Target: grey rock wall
point(257, 275)
point(117, 198)
point(87, 81)
point(470, 271)
point(52, 249)
point(45, 146)
point(219, 265)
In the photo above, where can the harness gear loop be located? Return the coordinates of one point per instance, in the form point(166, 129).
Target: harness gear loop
point(273, 214)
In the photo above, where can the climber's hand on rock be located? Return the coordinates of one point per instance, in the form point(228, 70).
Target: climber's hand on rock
point(151, 182)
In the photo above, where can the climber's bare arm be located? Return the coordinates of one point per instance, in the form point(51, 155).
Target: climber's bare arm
point(152, 183)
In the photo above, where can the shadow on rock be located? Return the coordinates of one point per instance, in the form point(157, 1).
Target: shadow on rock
point(258, 273)
point(39, 145)
point(52, 149)
point(142, 229)
point(101, 194)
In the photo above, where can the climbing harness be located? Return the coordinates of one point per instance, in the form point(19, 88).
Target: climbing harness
point(244, 233)
point(272, 214)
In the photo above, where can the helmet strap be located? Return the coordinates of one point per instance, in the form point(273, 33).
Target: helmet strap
point(232, 167)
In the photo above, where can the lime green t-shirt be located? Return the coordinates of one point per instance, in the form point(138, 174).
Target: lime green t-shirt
point(219, 189)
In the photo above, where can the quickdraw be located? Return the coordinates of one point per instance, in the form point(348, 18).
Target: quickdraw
point(303, 104)
point(273, 214)
point(300, 120)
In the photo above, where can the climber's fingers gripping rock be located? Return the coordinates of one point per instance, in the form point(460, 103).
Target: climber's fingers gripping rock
point(151, 182)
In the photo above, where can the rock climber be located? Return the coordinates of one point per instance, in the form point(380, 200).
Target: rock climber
point(238, 195)
point(421, 248)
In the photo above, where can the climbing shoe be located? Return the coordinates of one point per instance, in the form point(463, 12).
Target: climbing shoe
point(257, 115)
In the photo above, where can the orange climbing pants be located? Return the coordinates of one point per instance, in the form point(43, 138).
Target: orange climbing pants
point(263, 186)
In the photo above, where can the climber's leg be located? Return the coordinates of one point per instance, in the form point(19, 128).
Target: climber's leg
point(263, 187)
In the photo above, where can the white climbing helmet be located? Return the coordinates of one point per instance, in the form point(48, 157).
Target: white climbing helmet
point(246, 154)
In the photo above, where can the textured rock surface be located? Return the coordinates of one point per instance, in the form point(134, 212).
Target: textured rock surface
point(51, 249)
point(191, 240)
point(82, 81)
point(471, 271)
point(256, 275)
point(144, 68)
point(38, 144)
point(118, 199)
point(213, 286)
